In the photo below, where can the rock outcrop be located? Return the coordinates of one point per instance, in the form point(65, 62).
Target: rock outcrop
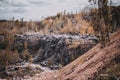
point(55, 50)
point(88, 65)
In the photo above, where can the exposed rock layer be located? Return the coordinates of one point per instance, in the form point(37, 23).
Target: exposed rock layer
point(87, 65)
point(53, 50)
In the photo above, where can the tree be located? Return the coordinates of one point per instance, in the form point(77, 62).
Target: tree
point(103, 13)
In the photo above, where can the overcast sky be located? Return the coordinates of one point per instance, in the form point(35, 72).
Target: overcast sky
point(35, 9)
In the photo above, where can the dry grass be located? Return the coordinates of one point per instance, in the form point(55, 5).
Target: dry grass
point(8, 55)
point(57, 24)
point(82, 27)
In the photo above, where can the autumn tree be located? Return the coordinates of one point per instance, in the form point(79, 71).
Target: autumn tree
point(102, 13)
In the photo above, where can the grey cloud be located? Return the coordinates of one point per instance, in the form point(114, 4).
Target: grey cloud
point(116, 2)
point(42, 3)
point(34, 9)
point(19, 10)
point(11, 3)
point(3, 2)
point(18, 4)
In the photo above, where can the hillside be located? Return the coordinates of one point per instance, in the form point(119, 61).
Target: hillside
point(59, 48)
point(51, 43)
point(89, 64)
point(59, 24)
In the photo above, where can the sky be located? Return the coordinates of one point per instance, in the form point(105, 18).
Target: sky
point(36, 9)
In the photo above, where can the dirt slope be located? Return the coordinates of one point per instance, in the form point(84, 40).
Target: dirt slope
point(87, 65)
